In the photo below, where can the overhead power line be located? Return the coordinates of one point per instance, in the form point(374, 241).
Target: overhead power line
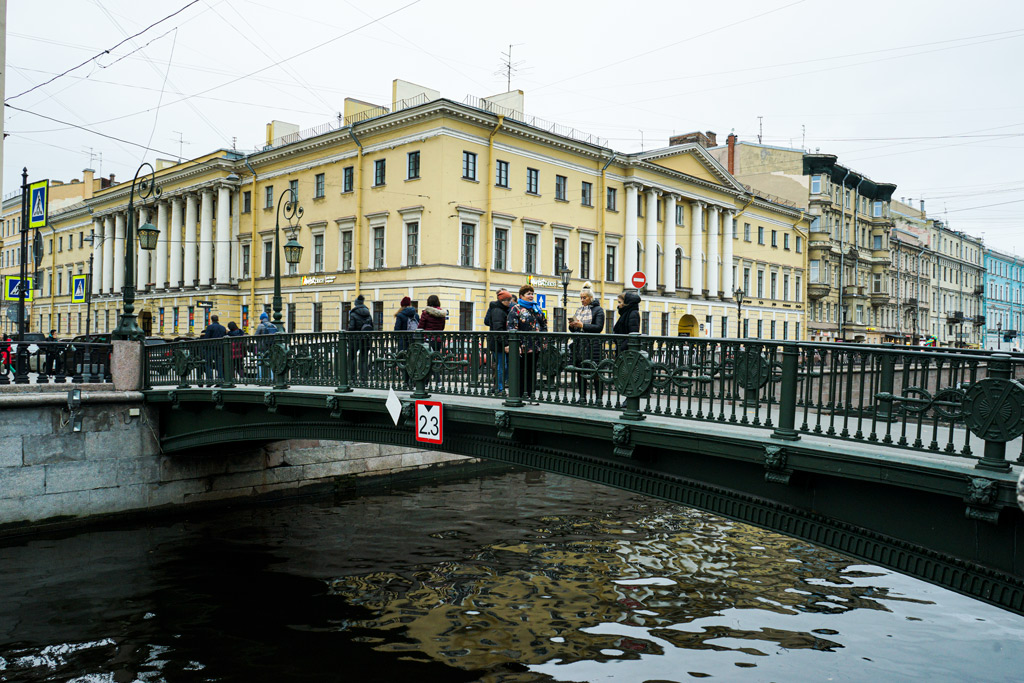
point(89, 130)
point(105, 52)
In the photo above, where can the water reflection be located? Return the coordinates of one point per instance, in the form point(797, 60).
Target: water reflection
point(518, 577)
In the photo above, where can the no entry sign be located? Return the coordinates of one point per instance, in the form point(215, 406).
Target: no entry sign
point(639, 280)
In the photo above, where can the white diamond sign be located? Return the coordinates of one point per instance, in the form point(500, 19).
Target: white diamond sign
point(394, 406)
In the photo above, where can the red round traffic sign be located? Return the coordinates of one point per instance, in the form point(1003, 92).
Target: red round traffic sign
point(638, 280)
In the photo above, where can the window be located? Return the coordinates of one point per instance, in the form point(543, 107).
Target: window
point(60, 283)
point(679, 266)
point(585, 260)
point(760, 284)
point(378, 247)
point(560, 187)
point(501, 173)
point(290, 323)
point(469, 165)
point(773, 329)
point(378, 315)
point(799, 244)
point(318, 253)
point(760, 235)
point(746, 232)
point(347, 179)
point(60, 246)
point(247, 201)
point(318, 316)
point(746, 281)
point(245, 261)
point(775, 238)
point(559, 255)
point(346, 308)
point(878, 242)
point(412, 243)
point(467, 245)
point(876, 210)
point(785, 240)
point(465, 315)
point(293, 185)
point(318, 186)
point(815, 271)
point(680, 211)
point(785, 287)
point(501, 249)
point(612, 198)
point(532, 180)
point(412, 165)
point(346, 250)
point(268, 259)
point(587, 194)
point(816, 184)
point(775, 285)
point(609, 264)
point(530, 257)
point(379, 172)
point(268, 197)
point(876, 283)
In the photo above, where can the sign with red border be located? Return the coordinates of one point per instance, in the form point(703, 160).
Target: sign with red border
point(638, 280)
point(429, 421)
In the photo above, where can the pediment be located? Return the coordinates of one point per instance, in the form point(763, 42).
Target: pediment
point(692, 160)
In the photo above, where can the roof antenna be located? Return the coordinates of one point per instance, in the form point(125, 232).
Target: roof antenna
point(508, 66)
point(803, 136)
point(760, 128)
point(641, 140)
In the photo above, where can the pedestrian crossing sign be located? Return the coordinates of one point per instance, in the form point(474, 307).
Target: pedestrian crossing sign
point(38, 203)
point(78, 283)
point(13, 291)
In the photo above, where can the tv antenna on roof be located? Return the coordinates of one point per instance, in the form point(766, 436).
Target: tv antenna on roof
point(508, 66)
point(181, 142)
point(760, 128)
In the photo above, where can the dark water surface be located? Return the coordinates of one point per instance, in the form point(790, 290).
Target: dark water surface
point(512, 577)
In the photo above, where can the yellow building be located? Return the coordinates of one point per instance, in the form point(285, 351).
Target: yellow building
point(431, 196)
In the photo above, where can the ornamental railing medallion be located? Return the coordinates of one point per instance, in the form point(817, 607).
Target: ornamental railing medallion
point(634, 373)
point(993, 409)
point(281, 359)
point(184, 362)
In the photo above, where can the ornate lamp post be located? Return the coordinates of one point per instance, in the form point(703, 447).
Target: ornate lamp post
point(738, 294)
point(127, 328)
point(292, 250)
point(566, 274)
point(999, 335)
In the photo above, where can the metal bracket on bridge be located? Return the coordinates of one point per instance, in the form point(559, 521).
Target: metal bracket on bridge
point(333, 403)
point(776, 471)
point(270, 401)
point(980, 499)
point(503, 421)
point(408, 412)
point(622, 439)
point(74, 403)
point(218, 399)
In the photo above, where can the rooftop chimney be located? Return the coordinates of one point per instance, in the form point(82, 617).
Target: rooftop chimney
point(731, 142)
point(705, 140)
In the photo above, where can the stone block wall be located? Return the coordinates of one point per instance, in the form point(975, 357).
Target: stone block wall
point(114, 465)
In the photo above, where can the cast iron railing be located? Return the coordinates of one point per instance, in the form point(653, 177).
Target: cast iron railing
point(906, 397)
point(42, 362)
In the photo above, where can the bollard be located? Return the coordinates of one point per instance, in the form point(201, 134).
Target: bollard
point(515, 390)
point(787, 398)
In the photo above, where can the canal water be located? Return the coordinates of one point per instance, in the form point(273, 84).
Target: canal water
point(509, 577)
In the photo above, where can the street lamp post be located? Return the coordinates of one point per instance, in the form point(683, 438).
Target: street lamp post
point(292, 250)
point(127, 328)
point(738, 294)
point(566, 274)
point(999, 335)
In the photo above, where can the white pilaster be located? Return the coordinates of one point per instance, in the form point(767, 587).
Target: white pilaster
point(629, 246)
point(223, 259)
point(160, 277)
point(175, 242)
point(206, 239)
point(651, 241)
point(696, 247)
point(119, 228)
point(713, 284)
point(96, 269)
point(669, 269)
point(142, 262)
point(108, 255)
point(727, 243)
point(191, 216)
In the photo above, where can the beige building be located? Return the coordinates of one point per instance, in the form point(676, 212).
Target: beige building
point(431, 196)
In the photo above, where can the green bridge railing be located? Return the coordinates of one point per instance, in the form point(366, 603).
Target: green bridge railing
point(956, 402)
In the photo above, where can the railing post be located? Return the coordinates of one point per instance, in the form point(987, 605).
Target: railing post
point(787, 398)
point(515, 390)
point(227, 379)
point(994, 458)
point(341, 363)
point(626, 378)
point(144, 369)
point(886, 384)
point(422, 369)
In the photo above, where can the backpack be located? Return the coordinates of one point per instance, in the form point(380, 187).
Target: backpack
point(367, 327)
point(412, 323)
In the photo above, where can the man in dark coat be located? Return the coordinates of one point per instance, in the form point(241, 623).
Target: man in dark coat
point(213, 353)
point(359, 320)
point(496, 321)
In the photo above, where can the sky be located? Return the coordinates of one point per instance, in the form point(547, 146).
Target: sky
point(926, 96)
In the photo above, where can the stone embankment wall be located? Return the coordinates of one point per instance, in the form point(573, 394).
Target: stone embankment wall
point(48, 472)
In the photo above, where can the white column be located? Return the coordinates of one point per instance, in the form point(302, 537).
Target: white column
point(223, 260)
point(669, 269)
point(191, 215)
point(629, 263)
point(96, 270)
point(206, 239)
point(119, 228)
point(142, 262)
point(696, 244)
point(712, 276)
point(160, 276)
point(651, 241)
point(174, 279)
point(108, 254)
point(730, 231)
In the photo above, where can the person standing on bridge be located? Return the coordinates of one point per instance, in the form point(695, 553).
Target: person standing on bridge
point(237, 348)
point(263, 345)
point(588, 319)
point(359, 320)
point(629, 317)
point(496, 320)
point(213, 331)
point(526, 315)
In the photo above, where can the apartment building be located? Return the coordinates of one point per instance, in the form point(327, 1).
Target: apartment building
point(1004, 300)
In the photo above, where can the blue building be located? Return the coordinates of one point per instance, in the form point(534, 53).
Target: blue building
point(1004, 300)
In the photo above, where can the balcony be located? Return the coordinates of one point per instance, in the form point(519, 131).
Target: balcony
point(880, 298)
point(910, 302)
point(979, 320)
point(979, 289)
point(855, 291)
point(817, 290)
point(955, 317)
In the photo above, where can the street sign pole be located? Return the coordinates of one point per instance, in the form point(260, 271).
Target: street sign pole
point(22, 326)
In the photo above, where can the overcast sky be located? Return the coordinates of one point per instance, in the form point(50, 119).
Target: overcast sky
point(924, 95)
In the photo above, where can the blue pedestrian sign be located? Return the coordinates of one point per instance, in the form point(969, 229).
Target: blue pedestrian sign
point(13, 291)
point(38, 203)
point(542, 300)
point(78, 283)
